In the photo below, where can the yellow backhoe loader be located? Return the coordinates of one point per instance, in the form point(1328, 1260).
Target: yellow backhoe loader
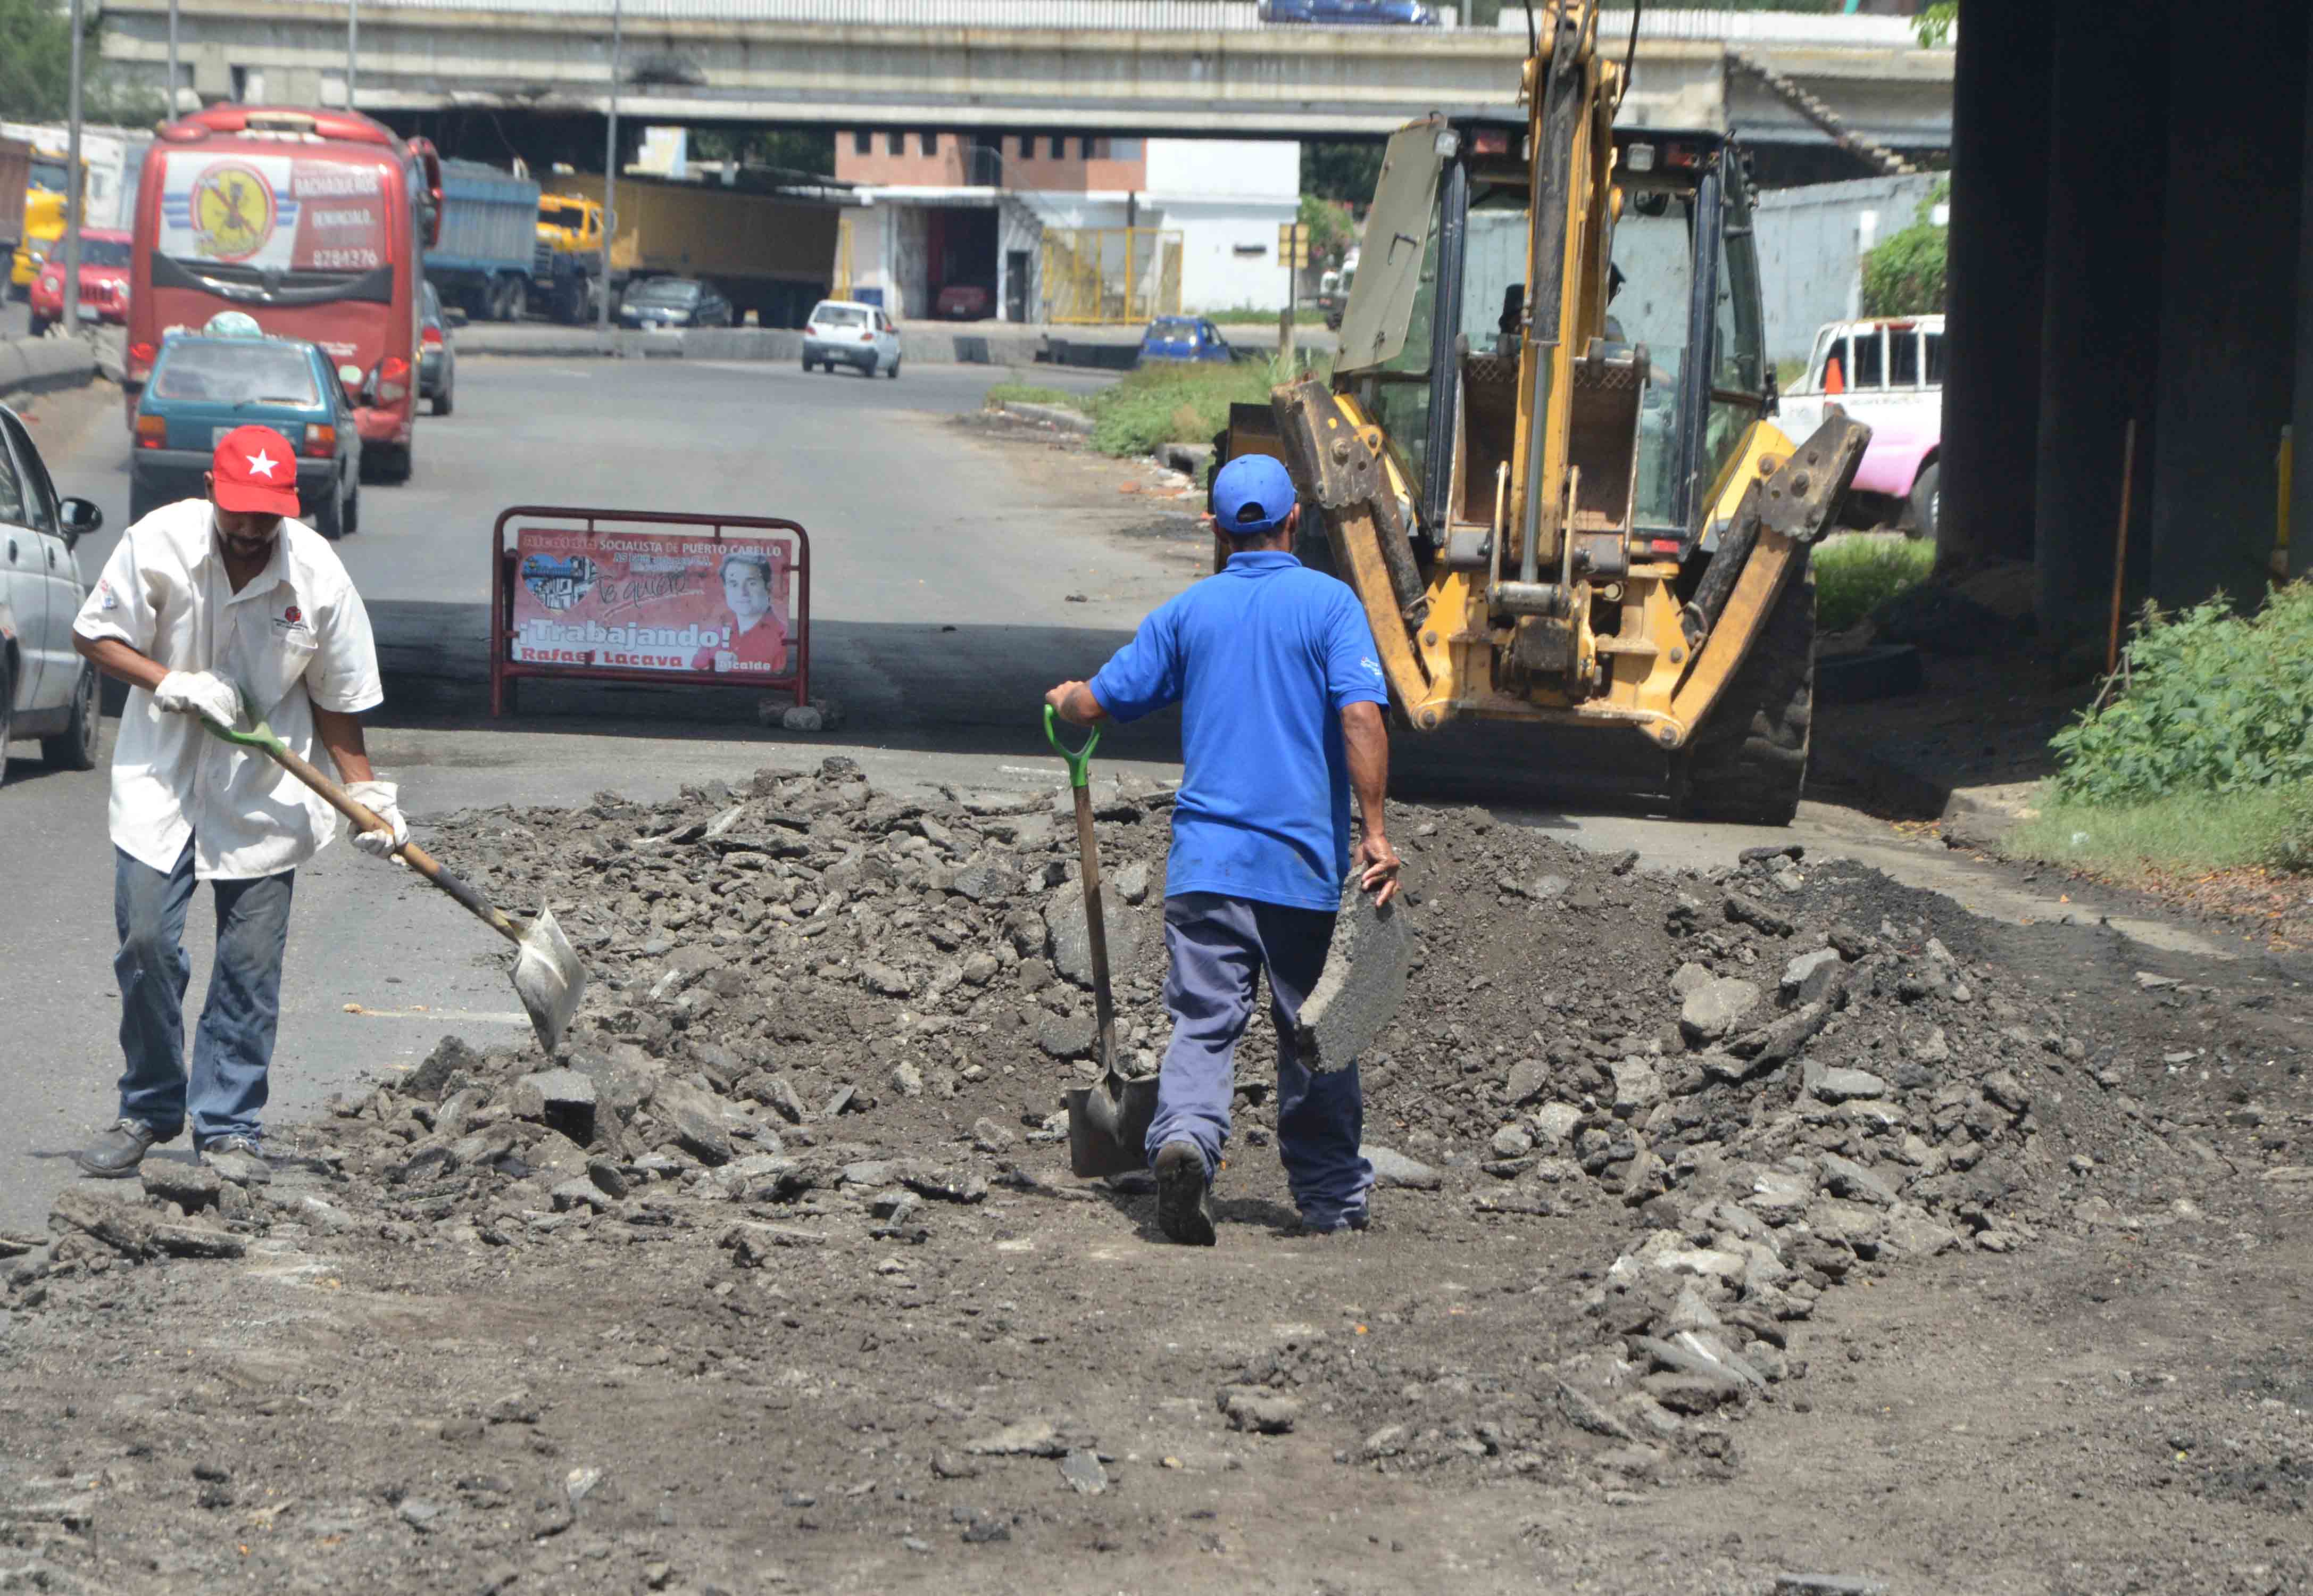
point(1544, 459)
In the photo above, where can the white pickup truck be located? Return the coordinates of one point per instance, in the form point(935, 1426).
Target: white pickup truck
point(1887, 373)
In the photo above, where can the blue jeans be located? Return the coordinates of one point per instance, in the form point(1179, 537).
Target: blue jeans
point(1219, 945)
point(233, 1046)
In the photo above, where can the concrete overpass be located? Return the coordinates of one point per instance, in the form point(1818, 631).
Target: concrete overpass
point(1125, 66)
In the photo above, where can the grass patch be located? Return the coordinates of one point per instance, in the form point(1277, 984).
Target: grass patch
point(1855, 576)
point(1180, 402)
point(1241, 317)
point(1032, 393)
point(2269, 828)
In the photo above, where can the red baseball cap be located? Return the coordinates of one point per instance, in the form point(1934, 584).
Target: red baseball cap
point(255, 472)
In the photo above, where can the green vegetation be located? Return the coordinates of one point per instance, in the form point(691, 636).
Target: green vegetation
point(2212, 702)
point(2192, 833)
point(1031, 393)
point(1161, 404)
point(2199, 754)
point(1341, 170)
point(36, 69)
point(1904, 276)
point(809, 150)
point(1855, 576)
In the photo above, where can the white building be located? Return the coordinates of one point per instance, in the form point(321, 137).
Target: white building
point(970, 212)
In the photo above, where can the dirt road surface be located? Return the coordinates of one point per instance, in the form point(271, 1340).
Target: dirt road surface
point(1772, 1229)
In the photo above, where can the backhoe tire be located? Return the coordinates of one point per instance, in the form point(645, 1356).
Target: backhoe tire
point(1746, 765)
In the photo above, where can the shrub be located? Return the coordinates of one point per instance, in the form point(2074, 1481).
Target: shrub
point(1904, 276)
point(2214, 702)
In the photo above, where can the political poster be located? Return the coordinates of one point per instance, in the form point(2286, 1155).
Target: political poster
point(652, 602)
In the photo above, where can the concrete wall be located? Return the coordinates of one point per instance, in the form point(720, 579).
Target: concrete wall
point(1023, 161)
point(1228, 253)
point(1811, 245)
point(1224, 169)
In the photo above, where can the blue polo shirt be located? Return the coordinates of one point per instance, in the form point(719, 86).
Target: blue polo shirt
point(1261, 656)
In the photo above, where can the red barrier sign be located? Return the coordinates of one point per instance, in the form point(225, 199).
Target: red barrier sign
point(636, 595)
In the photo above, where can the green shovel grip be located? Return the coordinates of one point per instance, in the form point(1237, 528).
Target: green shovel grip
point(259, 736)
point(1079, 762)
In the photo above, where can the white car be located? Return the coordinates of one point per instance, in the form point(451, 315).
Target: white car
point(845, 332)
point(47, 690)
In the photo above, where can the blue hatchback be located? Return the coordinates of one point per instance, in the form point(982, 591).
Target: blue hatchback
point(204, 387)
point(1184, 337)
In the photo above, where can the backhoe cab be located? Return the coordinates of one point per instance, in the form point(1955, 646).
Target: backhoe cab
point(1543, 461)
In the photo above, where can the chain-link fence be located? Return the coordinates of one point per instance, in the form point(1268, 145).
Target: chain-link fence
point(1111, 274)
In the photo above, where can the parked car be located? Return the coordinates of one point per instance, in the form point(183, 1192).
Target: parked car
point(1888, 374)
point(1184, 337)
point(661, 304)
point(204, 387)
point(965, 302)
point(843, 331)
point(1337, 14)
point(103, 282)
point(438, 362)
point(47, 690)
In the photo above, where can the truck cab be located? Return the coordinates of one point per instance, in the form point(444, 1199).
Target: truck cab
point(1886, 372)
point(569, 253)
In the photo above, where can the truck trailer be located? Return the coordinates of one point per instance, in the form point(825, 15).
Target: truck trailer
point(487, 258)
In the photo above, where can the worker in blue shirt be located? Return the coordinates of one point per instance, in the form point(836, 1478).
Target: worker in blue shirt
point(1281, 694)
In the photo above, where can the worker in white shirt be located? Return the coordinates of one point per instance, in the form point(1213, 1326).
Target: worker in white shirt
point(212, 608)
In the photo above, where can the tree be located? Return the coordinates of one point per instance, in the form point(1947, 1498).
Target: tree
point(36, 59)
point(809, 150)
point(1328, 226)
point(1904, 276)
point(36, 69)
point(1342, 171)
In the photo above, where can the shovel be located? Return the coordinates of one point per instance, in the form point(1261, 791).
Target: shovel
point(548, 977)
point(1108, 1121)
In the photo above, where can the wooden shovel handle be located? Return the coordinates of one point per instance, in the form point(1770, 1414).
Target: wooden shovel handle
point(411, 853)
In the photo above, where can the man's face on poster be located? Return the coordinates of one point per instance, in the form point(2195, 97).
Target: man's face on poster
point(748, 591)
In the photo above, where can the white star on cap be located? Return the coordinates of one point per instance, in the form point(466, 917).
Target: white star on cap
point(263, 464)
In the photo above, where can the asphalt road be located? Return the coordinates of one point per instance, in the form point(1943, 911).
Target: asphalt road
point(953, 581)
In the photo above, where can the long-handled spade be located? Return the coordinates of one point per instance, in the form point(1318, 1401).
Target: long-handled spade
point(1108, 1121)
point(548, 977)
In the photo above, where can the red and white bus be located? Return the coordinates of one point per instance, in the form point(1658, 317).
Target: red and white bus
point(314, 222)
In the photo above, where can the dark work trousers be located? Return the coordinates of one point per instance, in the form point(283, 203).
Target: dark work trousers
point(1219, 945)
point(234, 1046)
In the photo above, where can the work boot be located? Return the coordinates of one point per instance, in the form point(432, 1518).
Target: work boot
point(1185, 1196)
point(115, 1154)
point(238, 1158)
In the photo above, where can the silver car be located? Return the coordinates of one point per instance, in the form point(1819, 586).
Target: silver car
point(47, 690)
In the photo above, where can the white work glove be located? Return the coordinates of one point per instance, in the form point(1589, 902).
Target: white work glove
point(200, 692)
point(378, 798)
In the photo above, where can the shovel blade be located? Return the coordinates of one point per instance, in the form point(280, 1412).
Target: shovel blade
point(1108, 1126)
point(549, 979)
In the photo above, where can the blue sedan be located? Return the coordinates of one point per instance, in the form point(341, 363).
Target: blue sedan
point(204, 387)
point(1184, 337)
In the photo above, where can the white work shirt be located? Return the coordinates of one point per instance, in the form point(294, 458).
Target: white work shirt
point(295, 637)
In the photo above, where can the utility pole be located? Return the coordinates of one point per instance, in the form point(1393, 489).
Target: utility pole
point(353, 48)
point(73, 187)
point(610, 169)
point(173, 60)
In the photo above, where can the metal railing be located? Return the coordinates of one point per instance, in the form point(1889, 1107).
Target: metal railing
point(1231, 16)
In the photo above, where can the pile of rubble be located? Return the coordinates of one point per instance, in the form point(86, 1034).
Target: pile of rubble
point(820, 1012)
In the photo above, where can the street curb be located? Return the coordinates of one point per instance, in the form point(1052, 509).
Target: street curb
point(44, 365)
point(1048, 415)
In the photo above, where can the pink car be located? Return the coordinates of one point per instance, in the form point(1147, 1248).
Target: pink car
point(1889, 374)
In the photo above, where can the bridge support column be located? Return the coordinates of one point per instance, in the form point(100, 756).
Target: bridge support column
point(2100, 356)
point(1997, 263)
point(2229, 298)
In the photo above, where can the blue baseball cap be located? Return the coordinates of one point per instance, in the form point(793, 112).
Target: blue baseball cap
point(1251, 495)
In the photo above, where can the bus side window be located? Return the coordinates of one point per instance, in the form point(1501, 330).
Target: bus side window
point(1935, 342)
